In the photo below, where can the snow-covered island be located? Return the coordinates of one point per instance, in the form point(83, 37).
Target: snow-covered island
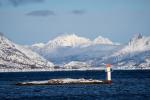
point(63, 81)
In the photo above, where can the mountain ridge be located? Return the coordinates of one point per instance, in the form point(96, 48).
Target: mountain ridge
point(70, 50)
point(74, 40)
point(17, 57)
point(106, 51)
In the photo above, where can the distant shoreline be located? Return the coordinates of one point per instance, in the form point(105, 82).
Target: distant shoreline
point(59, 70)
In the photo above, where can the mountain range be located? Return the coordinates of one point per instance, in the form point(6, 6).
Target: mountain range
point(69, 47)
point(70, 51)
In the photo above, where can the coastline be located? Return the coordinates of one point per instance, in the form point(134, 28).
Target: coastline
point(57, 70)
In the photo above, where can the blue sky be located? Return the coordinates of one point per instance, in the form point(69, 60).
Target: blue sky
point(33, 21)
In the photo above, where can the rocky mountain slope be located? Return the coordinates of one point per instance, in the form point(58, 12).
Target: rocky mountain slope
point(15, 57)
point(134, 55)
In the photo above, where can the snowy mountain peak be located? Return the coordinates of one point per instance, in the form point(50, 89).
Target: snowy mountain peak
point(138, 43)
point(102, 40)
point(5, 41)
point(76, 65)
point(71, 40)
point(40, 45)
point(17, 57)
point(136, 37)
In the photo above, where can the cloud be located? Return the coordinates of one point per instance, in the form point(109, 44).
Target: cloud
point(41, 13)
point(78, 12)
point(16, 3)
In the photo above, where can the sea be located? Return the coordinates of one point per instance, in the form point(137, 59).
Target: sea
point(126, 85)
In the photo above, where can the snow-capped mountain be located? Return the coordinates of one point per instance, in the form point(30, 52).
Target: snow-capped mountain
point(71, 40)
point(136, 54)
point(102, 40)
point(66, 48)
point(76, 65)
point(39, 45)
point(138, 43)
point(73, 52)
point(63, 41)
point(15, 57)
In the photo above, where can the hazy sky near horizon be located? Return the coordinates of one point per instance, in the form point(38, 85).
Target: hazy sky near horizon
point(33, 21)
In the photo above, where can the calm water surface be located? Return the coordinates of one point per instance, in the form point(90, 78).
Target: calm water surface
point(127, 85)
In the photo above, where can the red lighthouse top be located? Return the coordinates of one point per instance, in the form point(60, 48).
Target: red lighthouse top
point(108, 65)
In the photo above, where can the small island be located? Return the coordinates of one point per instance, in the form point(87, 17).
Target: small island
point(63, 81)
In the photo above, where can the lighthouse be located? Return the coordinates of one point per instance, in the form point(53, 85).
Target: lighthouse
point(71, 81)
point(108, 70)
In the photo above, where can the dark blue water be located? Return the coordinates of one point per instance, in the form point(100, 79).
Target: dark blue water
point(127, 85)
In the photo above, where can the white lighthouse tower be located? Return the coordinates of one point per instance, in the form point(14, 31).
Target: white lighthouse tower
point(108, 70)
